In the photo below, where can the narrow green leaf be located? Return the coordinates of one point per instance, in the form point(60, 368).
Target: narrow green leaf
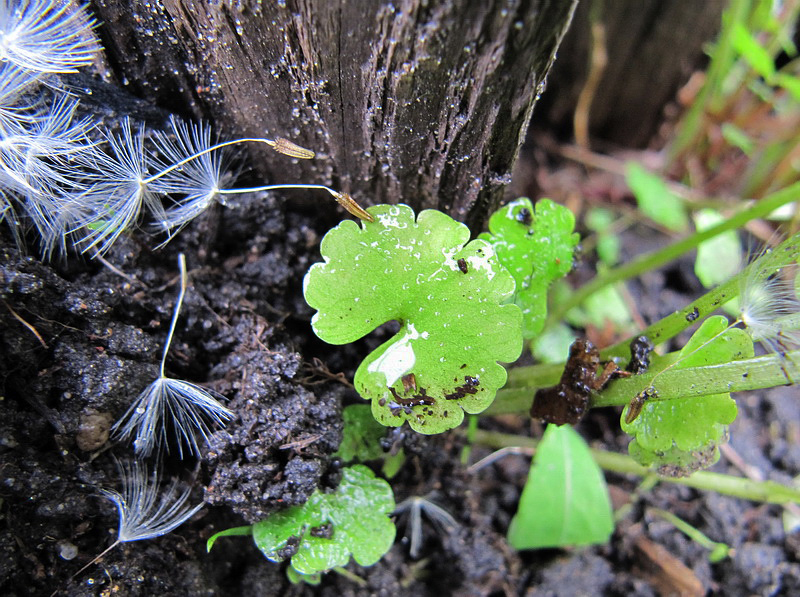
point(655, 199)
point(790, 83)
point(565, 501)
point(234, 532)
point(755, 55)
point(736, 137)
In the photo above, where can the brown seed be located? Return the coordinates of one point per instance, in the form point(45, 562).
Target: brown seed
point(293, 150)
point(346, 201)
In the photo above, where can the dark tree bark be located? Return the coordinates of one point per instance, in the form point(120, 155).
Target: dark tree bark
point(653, 46)
point(417, 102)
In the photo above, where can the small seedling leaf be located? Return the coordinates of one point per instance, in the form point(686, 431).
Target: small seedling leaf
point(552, 345)
point(655, 200)
point(446, 293)
point(362, 439)
point(361, 436)
point(601, 221)
point(536, 246)
point(718, 258)
point(680, 436)
point(330, 527)
point(565, 501)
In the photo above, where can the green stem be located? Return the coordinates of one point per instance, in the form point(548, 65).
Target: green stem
point(670, 384)
point(709, 96)
point(658, 258)
point(784, 254)
point(757, 491)
point(352, 576)
point(736, 376)
point(718, 550)
point(472, 427)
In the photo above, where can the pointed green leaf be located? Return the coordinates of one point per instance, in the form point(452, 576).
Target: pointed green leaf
point(755, 55)
point(565, 501)
point(446, 293)
point(234, 532)
point(536, 246)
point(682, 435)
point(655, 199)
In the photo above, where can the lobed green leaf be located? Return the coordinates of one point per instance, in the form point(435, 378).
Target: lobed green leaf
point(330, 527)
point(682, 435)
point(536, 246)
point(446, 293)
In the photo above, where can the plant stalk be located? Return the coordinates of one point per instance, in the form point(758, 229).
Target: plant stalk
point(757, 491)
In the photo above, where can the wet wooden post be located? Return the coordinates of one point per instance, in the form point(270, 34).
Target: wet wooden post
point(419, 102)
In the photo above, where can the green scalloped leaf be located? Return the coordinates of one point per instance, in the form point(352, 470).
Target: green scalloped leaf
point(330, 527)
point(682, 435)
point(446, 293)
point(536, 245)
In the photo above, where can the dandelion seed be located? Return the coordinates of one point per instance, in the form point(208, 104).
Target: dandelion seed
point(39, 161)
point(343, 199)
point(193, 410)
point(768, 303)
point(40, 155)
point(120, 188)
point(144, 513)
point(198, 182)
point(16, 107)
point(442, 520)
point(46, 36)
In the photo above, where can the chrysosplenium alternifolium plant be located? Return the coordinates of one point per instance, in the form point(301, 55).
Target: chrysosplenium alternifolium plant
point(446, 293)
point(681, 436)
point(454, 299)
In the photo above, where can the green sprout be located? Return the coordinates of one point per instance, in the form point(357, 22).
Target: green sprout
point(329, 528)
point(449, 296)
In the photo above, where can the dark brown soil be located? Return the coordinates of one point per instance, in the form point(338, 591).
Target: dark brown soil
point(79, 342)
